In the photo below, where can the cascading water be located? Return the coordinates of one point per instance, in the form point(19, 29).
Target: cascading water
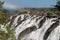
point(29, 27)
point(15, 22)
point(39, 33)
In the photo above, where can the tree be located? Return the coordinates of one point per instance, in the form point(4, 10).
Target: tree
point(3, 15)
point(3, 19)
point(1, 4)
point(58, 5)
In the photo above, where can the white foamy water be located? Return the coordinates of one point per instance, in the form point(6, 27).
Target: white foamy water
point(39, 33)
point(28, 21)
point(15, 22)
point(55, 34)
point(25, 24)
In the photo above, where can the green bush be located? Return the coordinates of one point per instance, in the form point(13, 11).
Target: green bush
point(3, 15)
point(6, 35)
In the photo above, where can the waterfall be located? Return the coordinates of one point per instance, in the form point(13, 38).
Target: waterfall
point(15, 22)
point(40, 30)
point(39, 33)
point(25, 24)
point(55, 34)
point(34, 27)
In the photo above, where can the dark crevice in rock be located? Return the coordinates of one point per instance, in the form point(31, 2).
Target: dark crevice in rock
point(41, 22)
point(19, 22)
point(49, 30)
point(19, 19)
point(27, 31)
point(12, 20)
point(38, 18)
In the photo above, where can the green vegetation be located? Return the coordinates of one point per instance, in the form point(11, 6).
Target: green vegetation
point(58, 5)
point(10, 33)
point(6, 35)
point(3, 15)
point(3, 35)
point(1, 4)
point(3, 19)
point(49, 15)
point(22, 13)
